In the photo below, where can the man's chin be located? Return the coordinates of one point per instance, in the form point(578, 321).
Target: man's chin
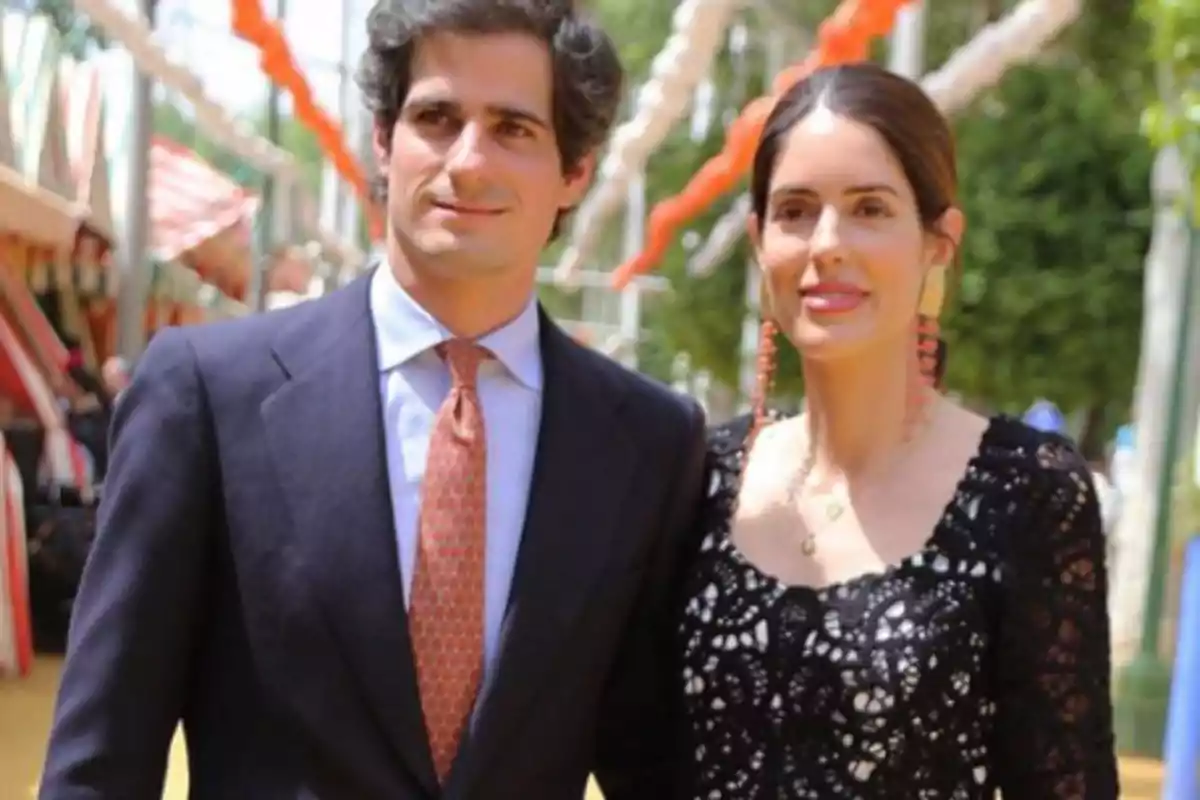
point(462, 258)
point(443, 242)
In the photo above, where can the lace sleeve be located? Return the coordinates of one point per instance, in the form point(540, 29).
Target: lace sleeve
point(722, 465)
point(1054, 729)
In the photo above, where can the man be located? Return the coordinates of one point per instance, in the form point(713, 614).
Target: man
point(408, 540)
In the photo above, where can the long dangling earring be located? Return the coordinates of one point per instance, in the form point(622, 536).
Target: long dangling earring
point(764, 373)
point(929, 310)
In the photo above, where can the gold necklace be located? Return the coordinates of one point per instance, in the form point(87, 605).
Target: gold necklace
point(834, 505)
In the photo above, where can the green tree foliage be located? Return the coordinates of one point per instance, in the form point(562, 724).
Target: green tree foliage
point(701, 317)
point(1054, 183)
point(1173, 116)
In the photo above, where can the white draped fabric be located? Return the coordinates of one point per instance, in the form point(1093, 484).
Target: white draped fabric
point(132, 32)
point(698, 27)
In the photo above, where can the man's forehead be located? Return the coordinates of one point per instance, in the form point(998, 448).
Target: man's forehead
point(481, 71)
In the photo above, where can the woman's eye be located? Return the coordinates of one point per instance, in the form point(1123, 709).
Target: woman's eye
point(792, 212)
point(873, 208)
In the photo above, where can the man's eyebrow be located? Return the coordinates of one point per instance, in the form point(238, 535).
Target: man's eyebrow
point(502, 110)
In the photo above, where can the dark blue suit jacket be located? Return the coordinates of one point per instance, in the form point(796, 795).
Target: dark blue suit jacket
point(244, 581)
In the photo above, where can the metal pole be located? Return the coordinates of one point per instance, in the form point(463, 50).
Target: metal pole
point(266, 211)
point(1143, 686)
point(907, 55)
point(1152, 619)
point(134, 257)
point(630, 314)
point(776, 59)
point(329, 210)
point(351, 112)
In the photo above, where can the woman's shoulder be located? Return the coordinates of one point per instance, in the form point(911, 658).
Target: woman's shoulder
point(727, 440)
point(1038, 459)
point(730, 436)
point(1048, 482)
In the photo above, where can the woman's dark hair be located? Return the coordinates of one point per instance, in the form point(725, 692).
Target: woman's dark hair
point(895, 107)
point(588, 76)
point(939, 369)
point(914, 130)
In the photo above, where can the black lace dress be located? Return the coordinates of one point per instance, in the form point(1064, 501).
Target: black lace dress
point(979, 664)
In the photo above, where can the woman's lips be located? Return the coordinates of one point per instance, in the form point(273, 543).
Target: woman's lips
point(832, 298)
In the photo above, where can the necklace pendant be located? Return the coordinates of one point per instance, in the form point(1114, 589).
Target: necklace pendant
point(808, 546)
point(834, 511)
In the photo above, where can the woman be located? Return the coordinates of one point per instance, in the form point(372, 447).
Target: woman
point(895, 598)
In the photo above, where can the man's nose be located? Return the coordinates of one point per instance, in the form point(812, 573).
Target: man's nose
point(467, 154)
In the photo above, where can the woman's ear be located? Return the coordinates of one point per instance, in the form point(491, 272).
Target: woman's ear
point(753, 231)
point(945, 245)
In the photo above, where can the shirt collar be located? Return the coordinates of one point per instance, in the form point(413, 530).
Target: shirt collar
point(404, 330)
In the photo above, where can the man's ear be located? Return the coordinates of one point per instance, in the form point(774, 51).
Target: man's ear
point(381, 146)
point(577, 181)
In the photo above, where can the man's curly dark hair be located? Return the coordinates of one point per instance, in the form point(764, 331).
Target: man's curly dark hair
point(588, 76)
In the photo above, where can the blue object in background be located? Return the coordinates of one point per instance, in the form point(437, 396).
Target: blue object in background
point(1126, 437)
point(1182, 742)
point(1045, 416)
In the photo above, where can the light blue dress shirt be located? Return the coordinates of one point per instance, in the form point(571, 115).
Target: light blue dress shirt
point(414, 381)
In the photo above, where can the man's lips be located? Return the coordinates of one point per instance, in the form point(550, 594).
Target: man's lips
point(460, 208)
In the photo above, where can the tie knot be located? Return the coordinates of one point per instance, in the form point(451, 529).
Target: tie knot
point(463, 357)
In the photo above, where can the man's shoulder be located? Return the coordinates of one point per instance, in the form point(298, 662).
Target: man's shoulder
point(641, 392)
point(238, 358)
point(226, 343)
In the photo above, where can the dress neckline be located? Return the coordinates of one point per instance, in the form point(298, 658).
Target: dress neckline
point(993, 435)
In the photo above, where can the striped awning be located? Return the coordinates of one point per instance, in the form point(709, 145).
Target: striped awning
point(83, 104)
point(43, 341)
point(190, 201)
point(16, 632)
point(21, 380)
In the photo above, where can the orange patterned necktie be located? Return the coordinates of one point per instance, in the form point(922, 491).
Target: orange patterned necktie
point(446, 608)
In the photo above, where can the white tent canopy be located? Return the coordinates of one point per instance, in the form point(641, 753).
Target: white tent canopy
point(85, 115)
point(31, 56)
point(135, 36)
point(684, 61)
point(25, 207)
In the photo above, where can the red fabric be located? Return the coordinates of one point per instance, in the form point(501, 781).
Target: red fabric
point(18, 587)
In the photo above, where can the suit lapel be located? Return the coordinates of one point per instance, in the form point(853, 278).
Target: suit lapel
point(582, 468)
point(325, 432)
